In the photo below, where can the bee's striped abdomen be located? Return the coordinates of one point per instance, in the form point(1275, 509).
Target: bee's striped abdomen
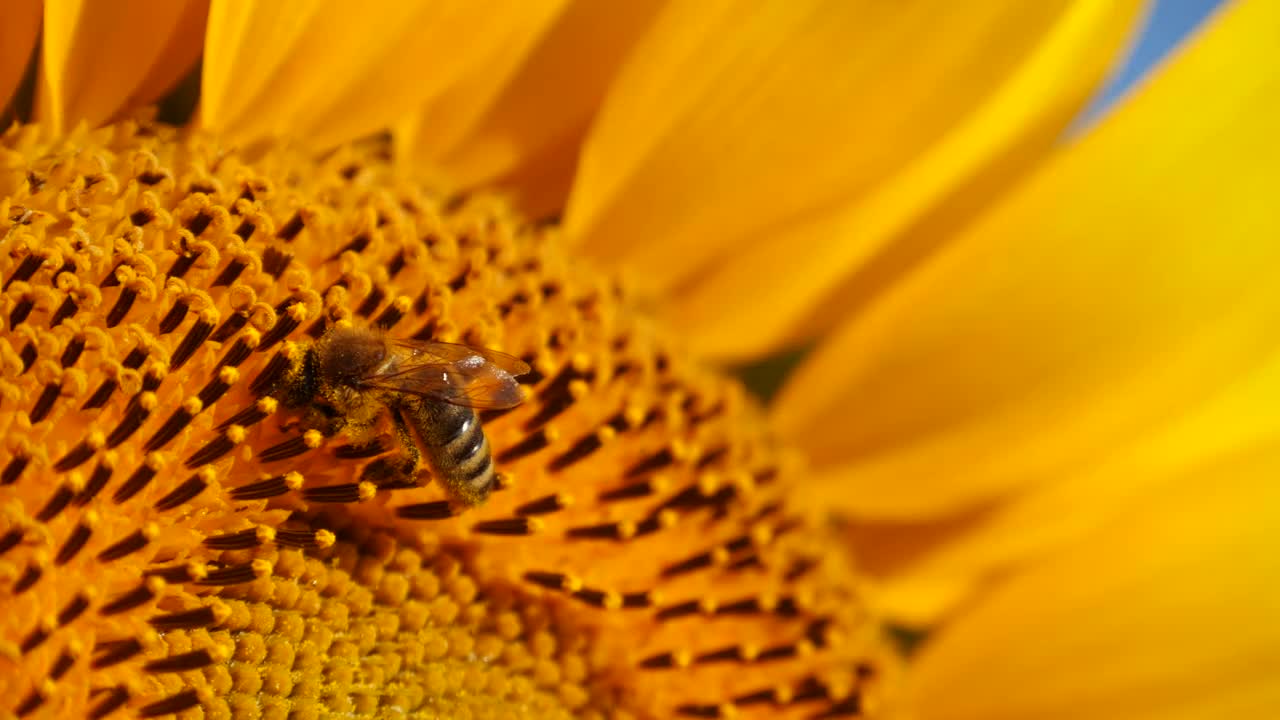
point(456, 448)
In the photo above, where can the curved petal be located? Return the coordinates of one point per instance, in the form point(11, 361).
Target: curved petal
point(929, 568)
point(177, 58)
point(1170, 612)
point(874, 236)
point(541, 182)
point(736, 123)
point(509, 32)
point(1125, 283)
point(549, 103)
point(443, 123)
point(18, 35)
point(101, 58)
point(245, 46)
point(331, 71)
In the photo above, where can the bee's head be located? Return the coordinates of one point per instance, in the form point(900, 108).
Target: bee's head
point(345, 355)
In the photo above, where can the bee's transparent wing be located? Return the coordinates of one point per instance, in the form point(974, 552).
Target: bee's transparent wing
point(457, 374)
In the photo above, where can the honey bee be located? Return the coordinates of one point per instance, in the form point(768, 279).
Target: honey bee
point(349, 378)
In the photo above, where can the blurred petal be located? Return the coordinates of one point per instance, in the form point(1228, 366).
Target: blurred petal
point(442, 124)
point(740, 124)
point(1123, 285)
point(926, 569)
point(1170, 612)
point(101, 58)
point(245, 46)
point(907, 584)
point(883, 230)
point(18, 35)
point(178, 56)
point(310, 69)
point(548, 105)
point(541, 183)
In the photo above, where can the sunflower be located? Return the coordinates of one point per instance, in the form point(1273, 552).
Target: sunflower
point(1036, 421)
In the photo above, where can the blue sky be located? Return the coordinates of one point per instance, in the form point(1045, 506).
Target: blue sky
point(1167, 23)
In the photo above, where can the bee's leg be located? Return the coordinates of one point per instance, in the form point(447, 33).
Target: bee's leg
point(317, 416)
point(401, 469)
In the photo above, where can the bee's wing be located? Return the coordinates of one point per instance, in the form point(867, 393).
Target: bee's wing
point(458, 374)
point(444, 353)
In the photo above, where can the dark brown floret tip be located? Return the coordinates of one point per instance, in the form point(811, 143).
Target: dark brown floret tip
point(169, 512)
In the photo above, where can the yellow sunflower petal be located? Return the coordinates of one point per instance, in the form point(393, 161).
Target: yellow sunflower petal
point(1123, 284)
point(177, 58)
point(737, 122)
point(1168, 613)
point(245, 46)
point(875, 233)
point(927, 569)
point(101, 58)
point(18, 35)
point(311, 69)
point(541, 183)
point(549, 103)
point(443, 122)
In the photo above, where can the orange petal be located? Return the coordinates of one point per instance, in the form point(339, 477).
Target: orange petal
point(177, 58)
point(1122, 285)
point(441, 124)
point(541, 183)
point(103, 58)
point(926, 569)
point(1169, 613)
point(872, 236)
point(770, 152)
point(548, 105)
point(18, 35)
point(332, 71)
point(245, 46)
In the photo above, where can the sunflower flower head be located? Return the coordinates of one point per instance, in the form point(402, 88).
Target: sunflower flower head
point(1025, 348)
point(172, 543)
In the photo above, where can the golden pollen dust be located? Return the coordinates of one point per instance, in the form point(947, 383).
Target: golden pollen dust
point(201, 514)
